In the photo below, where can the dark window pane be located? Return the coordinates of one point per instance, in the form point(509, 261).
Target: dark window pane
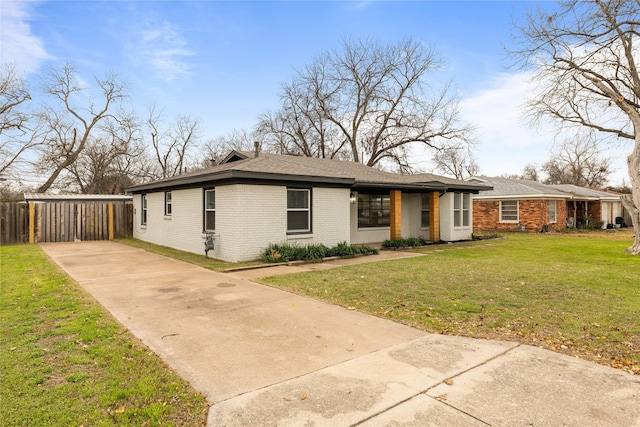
point(298, 220)
point(424, 221)
point(297, 199)
point(373, 210)
point(210, 220)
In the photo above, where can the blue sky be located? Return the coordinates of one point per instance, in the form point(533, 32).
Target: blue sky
point(223, 61)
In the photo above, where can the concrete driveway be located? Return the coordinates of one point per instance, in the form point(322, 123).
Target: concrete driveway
point(266, 357)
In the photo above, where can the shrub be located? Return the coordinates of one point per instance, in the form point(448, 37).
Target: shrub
point(287, 252)
point(343, 249)
point(486, 235)
point(404, 242)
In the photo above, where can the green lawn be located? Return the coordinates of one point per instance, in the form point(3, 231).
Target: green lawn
point(572, 293)
point(64, 361)
point(197, 259)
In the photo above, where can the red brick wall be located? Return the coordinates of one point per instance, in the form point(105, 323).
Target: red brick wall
point(532, 214)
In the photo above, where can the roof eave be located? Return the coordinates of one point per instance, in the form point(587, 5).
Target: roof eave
point(237, 175)
point(521, 196)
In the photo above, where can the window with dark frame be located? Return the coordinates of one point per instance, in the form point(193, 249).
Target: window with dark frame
point(374, 210)
point(425, 210)
point(143, 210)
point(210, 210)
point(298, 210)
point(167, 203)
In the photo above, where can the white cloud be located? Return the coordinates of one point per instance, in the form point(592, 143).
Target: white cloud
point(507, 140)
point(19, 45)
point(162, 47)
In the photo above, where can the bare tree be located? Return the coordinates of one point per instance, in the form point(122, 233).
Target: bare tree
point(586, 59)
point(216, 149)
point(457, 161)
point(367, 102)
point(69, 128)
point(15, 137)
point(112, 160)
point(172, 147)
point(530, 172)
point(577, 162)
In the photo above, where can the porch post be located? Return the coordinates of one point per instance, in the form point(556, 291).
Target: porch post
point(396, 214)
point(434, 217)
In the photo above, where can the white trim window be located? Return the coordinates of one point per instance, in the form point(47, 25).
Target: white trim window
point(168, 203)
point(461, 210)
point(298, 210)
point(466, 209)
point(425, 210)
point(509, 210)
point(553, 211)
point(143, 209)
point(210, 210)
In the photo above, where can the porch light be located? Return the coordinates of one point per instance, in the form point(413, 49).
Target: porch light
point(353, 199)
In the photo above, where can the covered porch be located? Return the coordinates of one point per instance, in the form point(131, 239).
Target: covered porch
point(433, 214)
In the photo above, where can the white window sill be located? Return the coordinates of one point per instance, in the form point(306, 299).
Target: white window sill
point(299, 236)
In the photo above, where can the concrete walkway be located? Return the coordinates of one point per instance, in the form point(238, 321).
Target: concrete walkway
point(264, 357)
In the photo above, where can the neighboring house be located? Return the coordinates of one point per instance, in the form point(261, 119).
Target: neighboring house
point(250, 201)
point(518, 204)
point(587, 204)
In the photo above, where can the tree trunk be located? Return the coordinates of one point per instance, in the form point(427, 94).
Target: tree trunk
point(632, 202)
point(634, 212)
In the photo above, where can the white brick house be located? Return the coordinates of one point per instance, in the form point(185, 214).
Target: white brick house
point(251, 201)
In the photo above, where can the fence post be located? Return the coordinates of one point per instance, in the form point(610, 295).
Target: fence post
point(110, 220)
point(32, 222)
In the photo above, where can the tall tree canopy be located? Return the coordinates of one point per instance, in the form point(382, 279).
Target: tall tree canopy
point(586, 59)
point(577, 162)
point(366, 102)
point(72, 120)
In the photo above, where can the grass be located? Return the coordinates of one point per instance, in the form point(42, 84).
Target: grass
point(65, 361)
point(197, 259)
point(578, 294)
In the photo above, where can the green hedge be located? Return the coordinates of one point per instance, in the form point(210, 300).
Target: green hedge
point(287, 252)
point(404, 242)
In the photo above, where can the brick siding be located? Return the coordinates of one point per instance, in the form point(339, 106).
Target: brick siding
point(532, 215)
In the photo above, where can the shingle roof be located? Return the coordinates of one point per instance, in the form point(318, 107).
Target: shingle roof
point(307, 169)
point(586, 193)
point(506, 188)
point(517, 188)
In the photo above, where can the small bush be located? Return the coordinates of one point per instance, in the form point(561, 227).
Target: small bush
point(343, 249)
point(404, 242)
point(486, 235)
point(287, 252)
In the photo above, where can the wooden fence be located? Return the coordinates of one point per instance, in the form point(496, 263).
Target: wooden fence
point(64, 221)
